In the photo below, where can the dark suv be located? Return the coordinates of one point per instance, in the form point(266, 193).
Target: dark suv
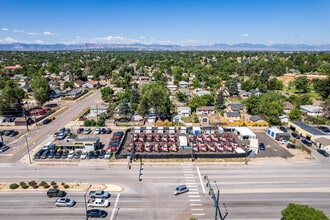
point(55, 193)
point(292, 146)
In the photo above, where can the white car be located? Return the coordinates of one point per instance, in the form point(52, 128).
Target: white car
point(64, 202)
point(83, 155)
point(71, 155)
point(180, 189)
point(98, 203)
point(97, 131)
point(87, 131)
point(107, 154)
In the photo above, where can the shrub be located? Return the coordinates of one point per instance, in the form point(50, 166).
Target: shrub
point(35, 186)
point(62, 184)
point(66, 186)
point(32, 183)
point(53, 183)
point(23, 185)
point(55, 186)
point(14, 186)
point(42, 183)
point(46, 186)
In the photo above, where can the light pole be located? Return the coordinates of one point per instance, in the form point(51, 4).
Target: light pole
point(27, 147)
point(86, 201)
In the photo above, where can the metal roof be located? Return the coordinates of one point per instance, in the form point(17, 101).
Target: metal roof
point(309, 129)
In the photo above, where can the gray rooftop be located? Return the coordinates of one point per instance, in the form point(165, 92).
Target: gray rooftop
point(308, 128)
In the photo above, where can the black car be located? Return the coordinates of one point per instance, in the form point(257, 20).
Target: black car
point(262, 146)
point(55, 193)
point(97, 213)
point(101, 154)
point(323, 152)
point(108, 131)
point(80, 130)
point(58, 154)
point(295, 135)
point(283, 129)
point(46, 121)
point(307, 142)
point(291, 146)
point(38, 154)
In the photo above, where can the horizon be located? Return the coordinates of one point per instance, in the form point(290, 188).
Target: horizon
point(184, 23)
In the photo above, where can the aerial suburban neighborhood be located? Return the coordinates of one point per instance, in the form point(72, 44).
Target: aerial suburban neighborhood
point(165, 110)
point(138, 113)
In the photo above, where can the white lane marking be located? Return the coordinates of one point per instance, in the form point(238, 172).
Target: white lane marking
point(191, 180)
point(200, 178)
point(197, 196)
point(115, 207)
point(189, 177)
point(188, 174)
point(198, 214)
point(194, 200)
point(195, 204)
point(197, 209)
point(193, 192)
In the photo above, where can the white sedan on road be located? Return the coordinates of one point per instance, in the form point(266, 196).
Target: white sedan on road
point(64, 202)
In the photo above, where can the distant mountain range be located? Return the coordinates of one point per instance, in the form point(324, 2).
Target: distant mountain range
point(159, 47)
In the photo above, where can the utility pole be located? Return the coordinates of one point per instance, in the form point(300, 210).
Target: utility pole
point(86, 201)
point(28, 149)
point(216, 200)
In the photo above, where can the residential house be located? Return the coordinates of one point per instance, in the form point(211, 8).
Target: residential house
point(311, 110)
point(184, 111)
point(79, 83)
point(256, 118)
point(183, 84)
point(232, 116)
point(75, 93)
point(254, 92)
point(98, 109)
point(287, 107)
point(236, 107)
point(54, 93)
point(284, 119)
point(205, 110)
point(201, 92)
point(244, 94)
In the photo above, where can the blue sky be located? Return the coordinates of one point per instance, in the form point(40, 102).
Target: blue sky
point(183, 22)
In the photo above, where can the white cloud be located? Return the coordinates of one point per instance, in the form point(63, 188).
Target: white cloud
point(18, 31)
point(245, 35)
point(115, 39)
point(4, 29)
point(47, 33)
point(32, 33)
point(8, 40)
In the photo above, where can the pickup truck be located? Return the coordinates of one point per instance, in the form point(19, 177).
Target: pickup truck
point(98, 203)
point(99, 194)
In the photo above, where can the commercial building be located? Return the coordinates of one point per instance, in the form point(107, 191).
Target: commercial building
point(307, 131)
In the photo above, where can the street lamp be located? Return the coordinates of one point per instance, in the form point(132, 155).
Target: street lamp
point(86, 201)
point(27, 147)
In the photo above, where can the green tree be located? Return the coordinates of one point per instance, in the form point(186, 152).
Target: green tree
point(106, 93)
point(322, 87)
point(181, 97)
point(10, 99)
point(40, 88)
point(198, 101)
point(274, 84)
point(155, 95)
point(233, 88)
point(302, 212)
point(295, 115)
point(301, 84)
point(220, 101)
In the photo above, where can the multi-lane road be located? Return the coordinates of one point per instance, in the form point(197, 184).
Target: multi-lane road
point(259, 190)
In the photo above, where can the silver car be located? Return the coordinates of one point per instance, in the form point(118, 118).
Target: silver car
point(180, 189)
point(64, 202)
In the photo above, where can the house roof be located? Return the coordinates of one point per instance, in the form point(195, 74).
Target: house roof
point(233, 114)
point(288, 106)
point(255, 118)
point(236, 106)
point(311, 108)
point(206, 108)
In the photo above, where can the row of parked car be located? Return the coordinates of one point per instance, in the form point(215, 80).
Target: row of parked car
point(10, 133)
point(78, 154)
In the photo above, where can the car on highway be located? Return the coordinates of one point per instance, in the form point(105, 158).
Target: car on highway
point(99, 194)
point(3, 148)
point(46, 121)
point(55, 193)
point(65, 202)
point(262, 146)
point(180, 189)
point(96, 213)
point(323, 152)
